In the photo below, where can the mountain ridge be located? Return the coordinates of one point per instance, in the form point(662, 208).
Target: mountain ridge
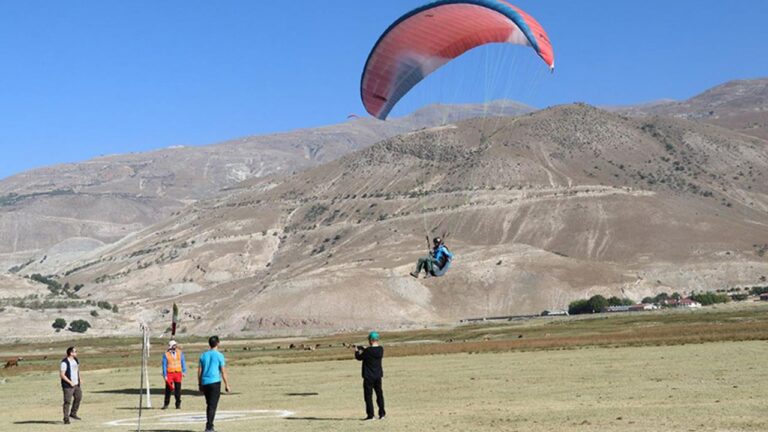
point(119, 194)
point(540, 209)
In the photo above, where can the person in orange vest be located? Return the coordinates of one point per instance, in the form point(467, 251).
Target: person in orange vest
point(174, 369)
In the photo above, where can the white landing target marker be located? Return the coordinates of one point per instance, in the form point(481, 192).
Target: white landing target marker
point(221, 416)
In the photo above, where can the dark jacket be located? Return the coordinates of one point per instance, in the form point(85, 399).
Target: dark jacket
point(371, 358)
point(68, 373)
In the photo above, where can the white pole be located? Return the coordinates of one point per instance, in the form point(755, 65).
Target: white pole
point(141, 377)
point(146, 368)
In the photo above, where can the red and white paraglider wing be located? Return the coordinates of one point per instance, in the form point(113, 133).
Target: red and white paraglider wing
point(428, 37)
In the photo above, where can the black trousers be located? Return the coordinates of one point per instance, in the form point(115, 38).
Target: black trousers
point(212, 393)
point(369, 386)
point(176, 394)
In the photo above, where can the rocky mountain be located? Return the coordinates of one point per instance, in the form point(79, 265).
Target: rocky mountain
point(738, 105)
point(540, 210)
point(59, 212)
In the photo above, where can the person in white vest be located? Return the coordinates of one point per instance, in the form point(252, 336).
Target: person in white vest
point(69, 372)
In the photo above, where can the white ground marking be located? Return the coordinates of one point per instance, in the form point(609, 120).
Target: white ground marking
point(221, 416)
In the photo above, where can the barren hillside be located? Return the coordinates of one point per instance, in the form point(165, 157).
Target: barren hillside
point(540, 210)
point(738, 105)
point(43, 211)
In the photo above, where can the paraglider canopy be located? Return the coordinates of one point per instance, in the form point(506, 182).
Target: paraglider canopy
point(428, 37)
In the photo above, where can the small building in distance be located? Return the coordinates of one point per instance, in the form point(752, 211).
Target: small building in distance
point(555, 312)
point(643, 307)
point(683, 303)
point(640, 307)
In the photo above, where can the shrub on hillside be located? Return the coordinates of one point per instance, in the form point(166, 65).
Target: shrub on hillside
point(79, 326)
point(59, 323)
point(53, 286)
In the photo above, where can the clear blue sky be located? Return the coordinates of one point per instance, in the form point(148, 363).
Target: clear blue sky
point(81, 78)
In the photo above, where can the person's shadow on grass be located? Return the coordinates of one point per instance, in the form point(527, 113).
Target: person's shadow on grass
point(156, 391)
point(40, 422)
point(153, 391)
point(167, 430)
point(321, 419)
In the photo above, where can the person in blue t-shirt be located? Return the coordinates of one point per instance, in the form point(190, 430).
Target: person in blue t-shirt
point(438, 261)
point(210, 372)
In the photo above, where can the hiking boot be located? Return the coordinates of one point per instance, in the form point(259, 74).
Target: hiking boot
point(414, 274)
point(66, 420)
point(382, 417)
point(178, 405)
point(75, 416)
point(367, 418)
point(164, 407)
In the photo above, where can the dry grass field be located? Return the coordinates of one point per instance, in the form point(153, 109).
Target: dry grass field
point(672, 371)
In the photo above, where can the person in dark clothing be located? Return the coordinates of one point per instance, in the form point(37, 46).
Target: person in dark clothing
point(438, 261)
point(373, 372)
point(69, 372)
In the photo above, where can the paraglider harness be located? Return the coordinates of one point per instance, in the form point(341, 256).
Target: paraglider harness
point(444, 262)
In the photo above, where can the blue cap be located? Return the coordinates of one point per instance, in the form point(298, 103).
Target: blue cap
point(374, 336)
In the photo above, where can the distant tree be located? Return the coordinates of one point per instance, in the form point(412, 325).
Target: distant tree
point(662, 297)
point(615, 301)
point(79, 326)
point(710, 298)
point(649, 300)
point(676, 296)
point(59, 323)
point(597, 303)
point(115, 309)
point(94, 313)
point(579, 307)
